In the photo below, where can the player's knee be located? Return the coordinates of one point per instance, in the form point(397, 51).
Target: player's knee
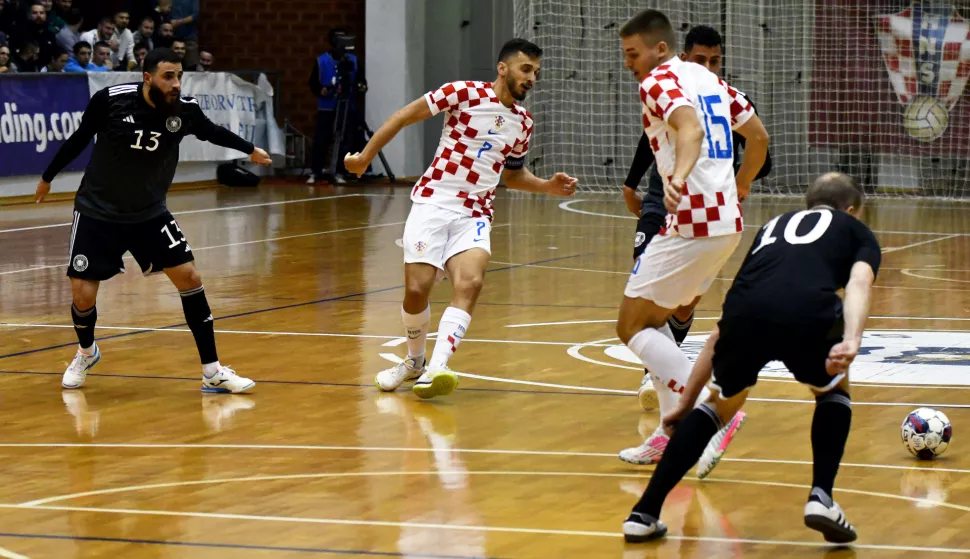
point(83, 295)
point(469, 286)
point(626, 331)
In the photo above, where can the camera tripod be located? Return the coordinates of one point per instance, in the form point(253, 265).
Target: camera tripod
point(340, 130)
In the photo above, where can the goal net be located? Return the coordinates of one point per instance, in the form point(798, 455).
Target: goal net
point(873, 88)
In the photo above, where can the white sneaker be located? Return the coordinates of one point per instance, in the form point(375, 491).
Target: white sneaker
point(715, 449)
point(226, 381)
point(439, 381)
point(77, 371)
point(826, 516)
point(647, 394)
point(640, 528)
point(389, 379)
point(311, 180)
point(649, 452)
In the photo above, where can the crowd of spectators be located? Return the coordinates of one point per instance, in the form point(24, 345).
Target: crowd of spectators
point(97, 35)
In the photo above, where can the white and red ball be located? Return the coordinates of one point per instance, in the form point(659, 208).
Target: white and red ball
point(926, 433)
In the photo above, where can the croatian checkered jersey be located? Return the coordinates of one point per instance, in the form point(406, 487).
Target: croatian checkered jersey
point(709, 206)
point(480, 134)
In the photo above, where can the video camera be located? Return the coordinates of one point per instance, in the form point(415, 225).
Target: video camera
point(343, 47)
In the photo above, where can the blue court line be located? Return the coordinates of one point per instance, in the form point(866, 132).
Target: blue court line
point(271, 309)
point(330, 384)
point(321, 551)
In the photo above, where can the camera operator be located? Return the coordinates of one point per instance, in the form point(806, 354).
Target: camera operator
point(334, 78)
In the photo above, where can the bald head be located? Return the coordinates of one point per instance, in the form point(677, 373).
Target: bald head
point(836, 190)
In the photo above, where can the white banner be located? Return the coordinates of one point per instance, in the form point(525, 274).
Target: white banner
point(228, 100)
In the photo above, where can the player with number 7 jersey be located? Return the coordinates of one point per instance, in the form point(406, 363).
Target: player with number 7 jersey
point(485, 138)
point(120, 206)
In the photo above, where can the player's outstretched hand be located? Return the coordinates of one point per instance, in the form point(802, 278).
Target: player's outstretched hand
point(841, 356)
point(260, 157)
point(561, 184)
point(672, 419)
point(43, 187)
point(672, 194)
point(356, 164)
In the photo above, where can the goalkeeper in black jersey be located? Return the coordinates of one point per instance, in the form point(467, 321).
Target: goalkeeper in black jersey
point(120, 205)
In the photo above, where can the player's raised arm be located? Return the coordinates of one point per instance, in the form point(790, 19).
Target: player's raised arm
point(413, 112)
point(95, 114)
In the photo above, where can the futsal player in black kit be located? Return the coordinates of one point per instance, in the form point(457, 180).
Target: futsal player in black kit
point(782, 306)
point(120, 205)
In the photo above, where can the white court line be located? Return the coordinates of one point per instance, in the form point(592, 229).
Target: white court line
point(508, 452)
point(6, 553)
point(278, 333)
point(224, 209)
point(271, 239)
point(895, 249)
point(567, 205)
point(909, 272)
point(605, 321)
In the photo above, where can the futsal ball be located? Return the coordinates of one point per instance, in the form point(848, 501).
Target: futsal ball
point(925, 118)
point(926, 433)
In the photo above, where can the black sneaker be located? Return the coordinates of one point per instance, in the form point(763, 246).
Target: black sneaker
point(641, 527)
point(825, 515)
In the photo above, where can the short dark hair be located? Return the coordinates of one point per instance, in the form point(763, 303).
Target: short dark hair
point(100, 44)
point(81, 45)
point(703, 35)
point(514, 46)
point(58, 51)
point(140, 45)
point(122, 12)
point(838, 190)
point(74, 17)
point(147, 18)
point(653, 23)
point(158, 56)
point(37, 3)
point(334, 31)
point(106, 19)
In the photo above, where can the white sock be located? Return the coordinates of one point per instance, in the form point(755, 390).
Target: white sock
point(416, 327)
point(89, 351)
point(210, 369)
point(451, 330)
point(704, 395)
point(666, 398)
point(661, 356)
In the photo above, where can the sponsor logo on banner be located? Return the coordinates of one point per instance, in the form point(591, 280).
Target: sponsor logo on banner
point(927, 53)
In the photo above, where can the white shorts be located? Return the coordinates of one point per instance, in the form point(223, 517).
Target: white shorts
point(432, 235)
point(674, 270)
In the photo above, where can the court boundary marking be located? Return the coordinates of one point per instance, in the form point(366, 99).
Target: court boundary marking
point(466, 527)
point(218, 209)
point(7, 554)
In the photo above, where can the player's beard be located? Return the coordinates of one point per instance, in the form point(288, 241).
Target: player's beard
point(170, 106)
point(515, 89)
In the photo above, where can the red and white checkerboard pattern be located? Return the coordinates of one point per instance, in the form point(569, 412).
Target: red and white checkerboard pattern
point(709, 206)
point(895, 34)
point(479, 134)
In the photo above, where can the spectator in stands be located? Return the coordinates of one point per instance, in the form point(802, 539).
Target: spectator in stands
point(145, 32)
point(63, 7)
point(165, 36)
point(178, 47)
point(71, 33)
point(6, 65)
point(8, 19)
point(141, 51)
point(322, 86)
point(185, 15)
point(54, 22)
point(124, 57)
point(101, 57)
point(162, 13)
point(205, 61)
point(35, 31)
point(58, 62)
point(81, 61)
point(104, 32)
point(28, 58)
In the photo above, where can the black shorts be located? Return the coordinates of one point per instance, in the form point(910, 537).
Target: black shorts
point(745, 346)
point(648, 226)
point(97, 246)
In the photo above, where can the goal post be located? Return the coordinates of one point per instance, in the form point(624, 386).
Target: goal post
point(869, 87)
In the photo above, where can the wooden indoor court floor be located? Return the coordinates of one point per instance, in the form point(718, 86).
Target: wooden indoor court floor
point(519, 463)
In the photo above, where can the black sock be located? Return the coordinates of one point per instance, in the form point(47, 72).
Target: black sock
point(683, 451)
point(199, 318)
point(830, 430)
point(680, 329)
point(84, 325)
